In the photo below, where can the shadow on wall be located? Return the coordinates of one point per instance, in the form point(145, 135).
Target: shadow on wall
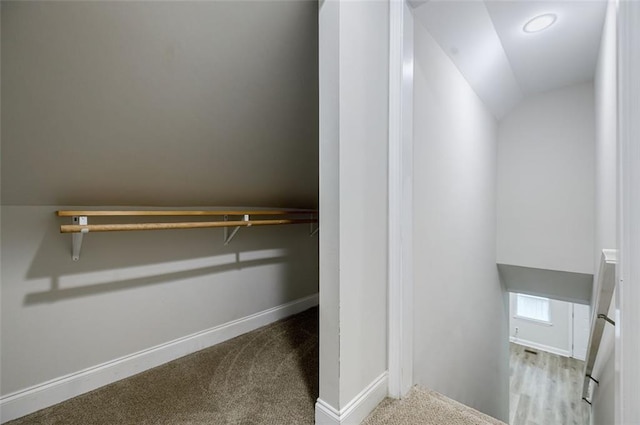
point(159, 286)
point(118, 261)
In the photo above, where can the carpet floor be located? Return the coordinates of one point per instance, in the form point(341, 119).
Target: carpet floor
point(425, 407)
point(268, 376)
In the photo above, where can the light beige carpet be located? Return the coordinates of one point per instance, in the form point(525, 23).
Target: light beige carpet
point(425, 407)
point(268, 376)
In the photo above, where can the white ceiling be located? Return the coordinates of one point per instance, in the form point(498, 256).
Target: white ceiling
point(503, 63)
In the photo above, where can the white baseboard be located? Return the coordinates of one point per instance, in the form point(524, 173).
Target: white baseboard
point(547, 348)
point(38, 397)
point(358, 408)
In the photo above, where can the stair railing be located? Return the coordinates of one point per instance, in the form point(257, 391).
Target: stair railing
point(601, 301)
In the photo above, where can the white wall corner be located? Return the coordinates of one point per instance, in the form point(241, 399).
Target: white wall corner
point(400, 302)
point(354, 412)
point(395, 283)
point(57, 390)
point(627, 319)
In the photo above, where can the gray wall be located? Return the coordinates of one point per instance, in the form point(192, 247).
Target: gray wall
point(559, 285)
point(160, 103)
point(149, 103)
point(546, 181)
point(132, 290)
point(461, 308)
point(605, 211)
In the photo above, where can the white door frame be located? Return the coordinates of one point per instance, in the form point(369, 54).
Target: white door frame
point(577, 329)
point(400, 226)
point(628, 288)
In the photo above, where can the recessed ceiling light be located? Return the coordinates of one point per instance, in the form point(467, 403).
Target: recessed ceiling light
point(540, 23)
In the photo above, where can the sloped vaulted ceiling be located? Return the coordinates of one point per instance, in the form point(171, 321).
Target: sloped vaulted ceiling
point(502, 63)
point(160, 103)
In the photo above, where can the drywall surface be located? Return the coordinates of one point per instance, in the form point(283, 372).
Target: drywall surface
point(466, 32)
point(132, 290)
point(354, 52)
point(160, 103)
point(459, 300)
point(555, 337)
point(606, 99)
point(546, 182)
point(364, 132)
point(329, 87)
point(628, 288)
point(565, 286)
point(606, 138)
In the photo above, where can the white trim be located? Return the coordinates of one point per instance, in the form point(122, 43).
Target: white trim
point(400, 298)
point(538, 346)
point(536, 321)
point(572, 332)
point(358, 408)
point(395, 198)
point(627, 319)
point(572, 327)
point(40, 396)
point(572, 317)
point(407, 202)
point(326, 414)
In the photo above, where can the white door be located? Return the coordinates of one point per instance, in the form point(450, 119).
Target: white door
point(581, 328)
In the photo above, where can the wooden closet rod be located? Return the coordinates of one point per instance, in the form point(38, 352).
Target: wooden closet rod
point(75, 228)
point(180, 213)
point(81, 224)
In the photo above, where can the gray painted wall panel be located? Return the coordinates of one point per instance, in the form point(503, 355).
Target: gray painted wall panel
point(559, 285)
point(133, 290)
point(160, 103)
point(461, 309)
point(546, 172)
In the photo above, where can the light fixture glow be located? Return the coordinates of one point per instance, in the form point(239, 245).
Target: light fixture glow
point(540, 23)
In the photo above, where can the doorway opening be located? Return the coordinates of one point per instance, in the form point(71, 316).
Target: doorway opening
point(548, 341)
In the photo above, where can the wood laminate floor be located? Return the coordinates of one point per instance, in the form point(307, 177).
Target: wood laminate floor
point(545, 389)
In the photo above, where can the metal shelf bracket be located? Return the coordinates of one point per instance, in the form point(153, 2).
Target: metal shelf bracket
point(76, 238)
point(313, 229)
point(606, 319)
point(593, 379)
point(228, 236)
point(240, 218)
